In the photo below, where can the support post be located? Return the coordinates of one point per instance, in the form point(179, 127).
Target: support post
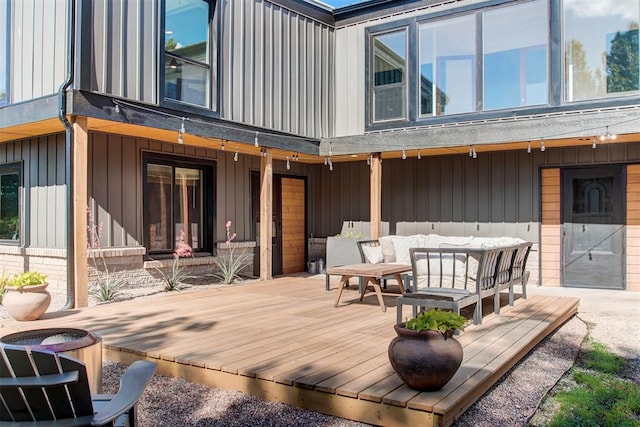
point(266, 215)
point(376, 194)
point(79, 206)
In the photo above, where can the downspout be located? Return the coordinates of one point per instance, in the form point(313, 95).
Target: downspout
point(62, 115)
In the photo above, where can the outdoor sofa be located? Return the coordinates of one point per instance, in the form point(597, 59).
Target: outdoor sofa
point(452, 272)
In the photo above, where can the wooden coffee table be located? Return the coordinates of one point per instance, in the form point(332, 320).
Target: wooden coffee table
point(372, 273)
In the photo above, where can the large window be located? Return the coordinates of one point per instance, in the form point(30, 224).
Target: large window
point(515, 41)
point(4, 52)
point(601, 48)
point(10, 184)
point(447, 66)
point(176, 206)
point(390, 76)
point(187, 61)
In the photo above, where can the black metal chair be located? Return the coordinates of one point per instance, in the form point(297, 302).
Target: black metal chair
point(40, 387)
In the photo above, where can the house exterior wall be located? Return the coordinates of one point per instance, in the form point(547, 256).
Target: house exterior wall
point(633, 228)
point(43, 196)
point(37, 50)
point(350, 63)
point(118, 42)
point(286, 81)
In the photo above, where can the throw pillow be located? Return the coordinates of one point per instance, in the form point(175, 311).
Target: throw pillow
point(373, 254)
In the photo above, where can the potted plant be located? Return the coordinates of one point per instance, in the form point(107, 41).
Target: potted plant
point(26, 297)
point(424, 354)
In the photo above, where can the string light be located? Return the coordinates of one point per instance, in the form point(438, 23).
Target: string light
point(330, 149)
point(369, 160)
point(288, 164)
point(404, 153)
point(180, 132)
point(117, 109)
point(264, 152)
point(472, 152)
point(222, 145)
point(529, 147)
point(419, 156)
point(593, 142)
point(326, 161)
point(235, 156)
point(607, 135)
point(255, 140)
point(330, 165)
point(542, 147)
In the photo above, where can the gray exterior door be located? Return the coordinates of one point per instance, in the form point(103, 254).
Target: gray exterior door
point(593, 227)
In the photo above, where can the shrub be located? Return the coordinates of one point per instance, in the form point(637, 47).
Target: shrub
point(108, 288)
point(229, 267)
point(28, 278)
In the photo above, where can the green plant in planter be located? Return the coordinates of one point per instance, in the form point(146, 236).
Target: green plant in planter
point(424, 354)
point(436, 320)
point(28, 278)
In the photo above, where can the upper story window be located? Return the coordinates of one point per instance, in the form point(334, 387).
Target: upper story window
point(390, 76)
point(187, 59)
point(601, 48)
point(447, 73)
point(10, 185)
point(514, 46)
point(490, 58)
point(4, 53)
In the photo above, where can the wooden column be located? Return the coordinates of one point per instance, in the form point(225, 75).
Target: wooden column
point(79, 210)
point(266, 215)
point(376, 195)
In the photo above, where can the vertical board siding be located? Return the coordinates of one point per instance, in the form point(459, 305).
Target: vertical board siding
point(551, 228)
point(275, 72)
point(124, 40)
point(633, 228)
point(44, 196)
point(37, 48)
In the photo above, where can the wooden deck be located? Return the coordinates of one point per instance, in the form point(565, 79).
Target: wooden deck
point(283, 340)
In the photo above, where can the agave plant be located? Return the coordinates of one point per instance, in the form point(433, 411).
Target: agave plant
point(229, 267)
point(174, 279)
point(108, 288)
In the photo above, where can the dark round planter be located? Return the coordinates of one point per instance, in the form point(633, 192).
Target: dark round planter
point(424, 360)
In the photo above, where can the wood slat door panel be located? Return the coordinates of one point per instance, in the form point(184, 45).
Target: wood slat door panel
point(293, 225)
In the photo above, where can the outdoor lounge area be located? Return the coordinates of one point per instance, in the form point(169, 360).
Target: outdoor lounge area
point(285, 341)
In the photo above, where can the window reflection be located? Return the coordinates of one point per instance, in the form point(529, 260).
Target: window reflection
point(187, 62)
point(601, 48)
point(174, 207)
point(515, 55)
point(389, 76)
point(447, 66)
point(10, 182)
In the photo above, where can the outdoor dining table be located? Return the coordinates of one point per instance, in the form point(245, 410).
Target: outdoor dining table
point(372, 274)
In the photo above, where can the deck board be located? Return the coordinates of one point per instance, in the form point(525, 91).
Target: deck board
point(283, 340)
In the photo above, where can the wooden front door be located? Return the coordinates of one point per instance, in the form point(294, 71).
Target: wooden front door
point(293, 225)
point(288, 223)
point(593, 227)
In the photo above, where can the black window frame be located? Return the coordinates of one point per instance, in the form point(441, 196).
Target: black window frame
point(17, 168)
point(212, 110)
point(208, 169)
point(413, 98)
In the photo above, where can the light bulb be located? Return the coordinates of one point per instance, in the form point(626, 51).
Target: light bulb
point(288, 164)
point(255, 140)
point(542, 147)
point(235, 156)
point(419, 156)
point(404, 153)
point(529, 147)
